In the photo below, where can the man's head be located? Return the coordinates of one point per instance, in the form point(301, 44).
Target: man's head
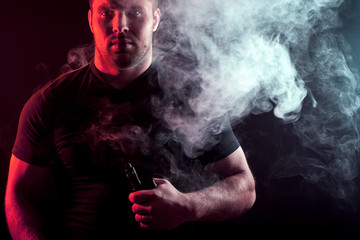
point(155, 4)
point(123, 31)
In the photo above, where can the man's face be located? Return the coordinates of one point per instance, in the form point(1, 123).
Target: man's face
point(123, 31)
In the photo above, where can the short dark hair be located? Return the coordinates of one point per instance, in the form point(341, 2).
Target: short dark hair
point(156, 3)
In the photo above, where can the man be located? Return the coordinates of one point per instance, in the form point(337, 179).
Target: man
point(58, 141)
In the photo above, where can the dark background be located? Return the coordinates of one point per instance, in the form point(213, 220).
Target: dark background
point(35, 34)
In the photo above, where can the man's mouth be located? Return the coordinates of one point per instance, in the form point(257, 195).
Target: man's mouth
point(121, 45)
point(121, 42)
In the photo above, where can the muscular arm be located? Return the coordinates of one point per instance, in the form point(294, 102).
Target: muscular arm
point(165, 207)
point(231, 196)
point(24, 191)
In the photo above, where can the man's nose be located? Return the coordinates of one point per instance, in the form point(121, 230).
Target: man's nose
point(120, 23)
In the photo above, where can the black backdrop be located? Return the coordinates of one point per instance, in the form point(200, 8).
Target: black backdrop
point(33, 34)
point(39, 33)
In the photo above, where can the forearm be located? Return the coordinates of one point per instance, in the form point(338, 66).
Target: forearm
point(165, 207)
point(222, 201)
point(23, 219)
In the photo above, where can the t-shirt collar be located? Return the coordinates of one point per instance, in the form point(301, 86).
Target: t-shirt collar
point(103, 76)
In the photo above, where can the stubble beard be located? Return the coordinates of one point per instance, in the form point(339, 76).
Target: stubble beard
point(126, 59)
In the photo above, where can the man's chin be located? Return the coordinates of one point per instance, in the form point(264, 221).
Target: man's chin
point(124, 62)
point(126, 59)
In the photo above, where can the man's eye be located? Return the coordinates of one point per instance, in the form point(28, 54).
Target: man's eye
point(107, 14)
point(135, 13)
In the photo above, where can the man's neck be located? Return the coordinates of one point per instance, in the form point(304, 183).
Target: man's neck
point(120, 78)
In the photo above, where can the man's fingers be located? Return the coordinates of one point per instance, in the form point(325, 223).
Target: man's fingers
point(145, 226)
point(145, 195)
point(143, 218)
point(141, 196)
point(160, 181)
point(141, 209)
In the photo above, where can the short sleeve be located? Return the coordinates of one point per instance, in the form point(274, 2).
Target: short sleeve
point(33, 139)
point(226, 145)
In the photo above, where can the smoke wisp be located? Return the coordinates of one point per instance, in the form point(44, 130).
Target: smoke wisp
point(253, 57)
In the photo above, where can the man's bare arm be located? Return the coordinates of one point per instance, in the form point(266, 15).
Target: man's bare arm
point(231, 196)
point(24, 192)
point(165, 207)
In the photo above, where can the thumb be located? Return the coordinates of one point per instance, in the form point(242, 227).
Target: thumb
point(160, 181)
point(140, 196)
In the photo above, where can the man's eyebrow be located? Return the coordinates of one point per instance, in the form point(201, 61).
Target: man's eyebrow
point(103, 7)
point(119, 6)
point(137, 7)
point(111, 6)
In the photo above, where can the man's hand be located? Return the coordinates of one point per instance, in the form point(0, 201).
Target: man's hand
point(161, 208)
point(165, 207)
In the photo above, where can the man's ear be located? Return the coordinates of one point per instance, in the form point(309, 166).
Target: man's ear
point(90, 20)
point(157, 17)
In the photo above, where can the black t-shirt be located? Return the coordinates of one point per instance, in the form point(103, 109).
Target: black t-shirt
point(86, 130)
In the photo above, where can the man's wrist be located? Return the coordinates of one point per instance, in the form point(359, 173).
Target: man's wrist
point(191, 207)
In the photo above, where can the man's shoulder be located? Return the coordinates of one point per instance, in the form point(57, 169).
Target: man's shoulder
point(68, 82)
point(59, 91)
